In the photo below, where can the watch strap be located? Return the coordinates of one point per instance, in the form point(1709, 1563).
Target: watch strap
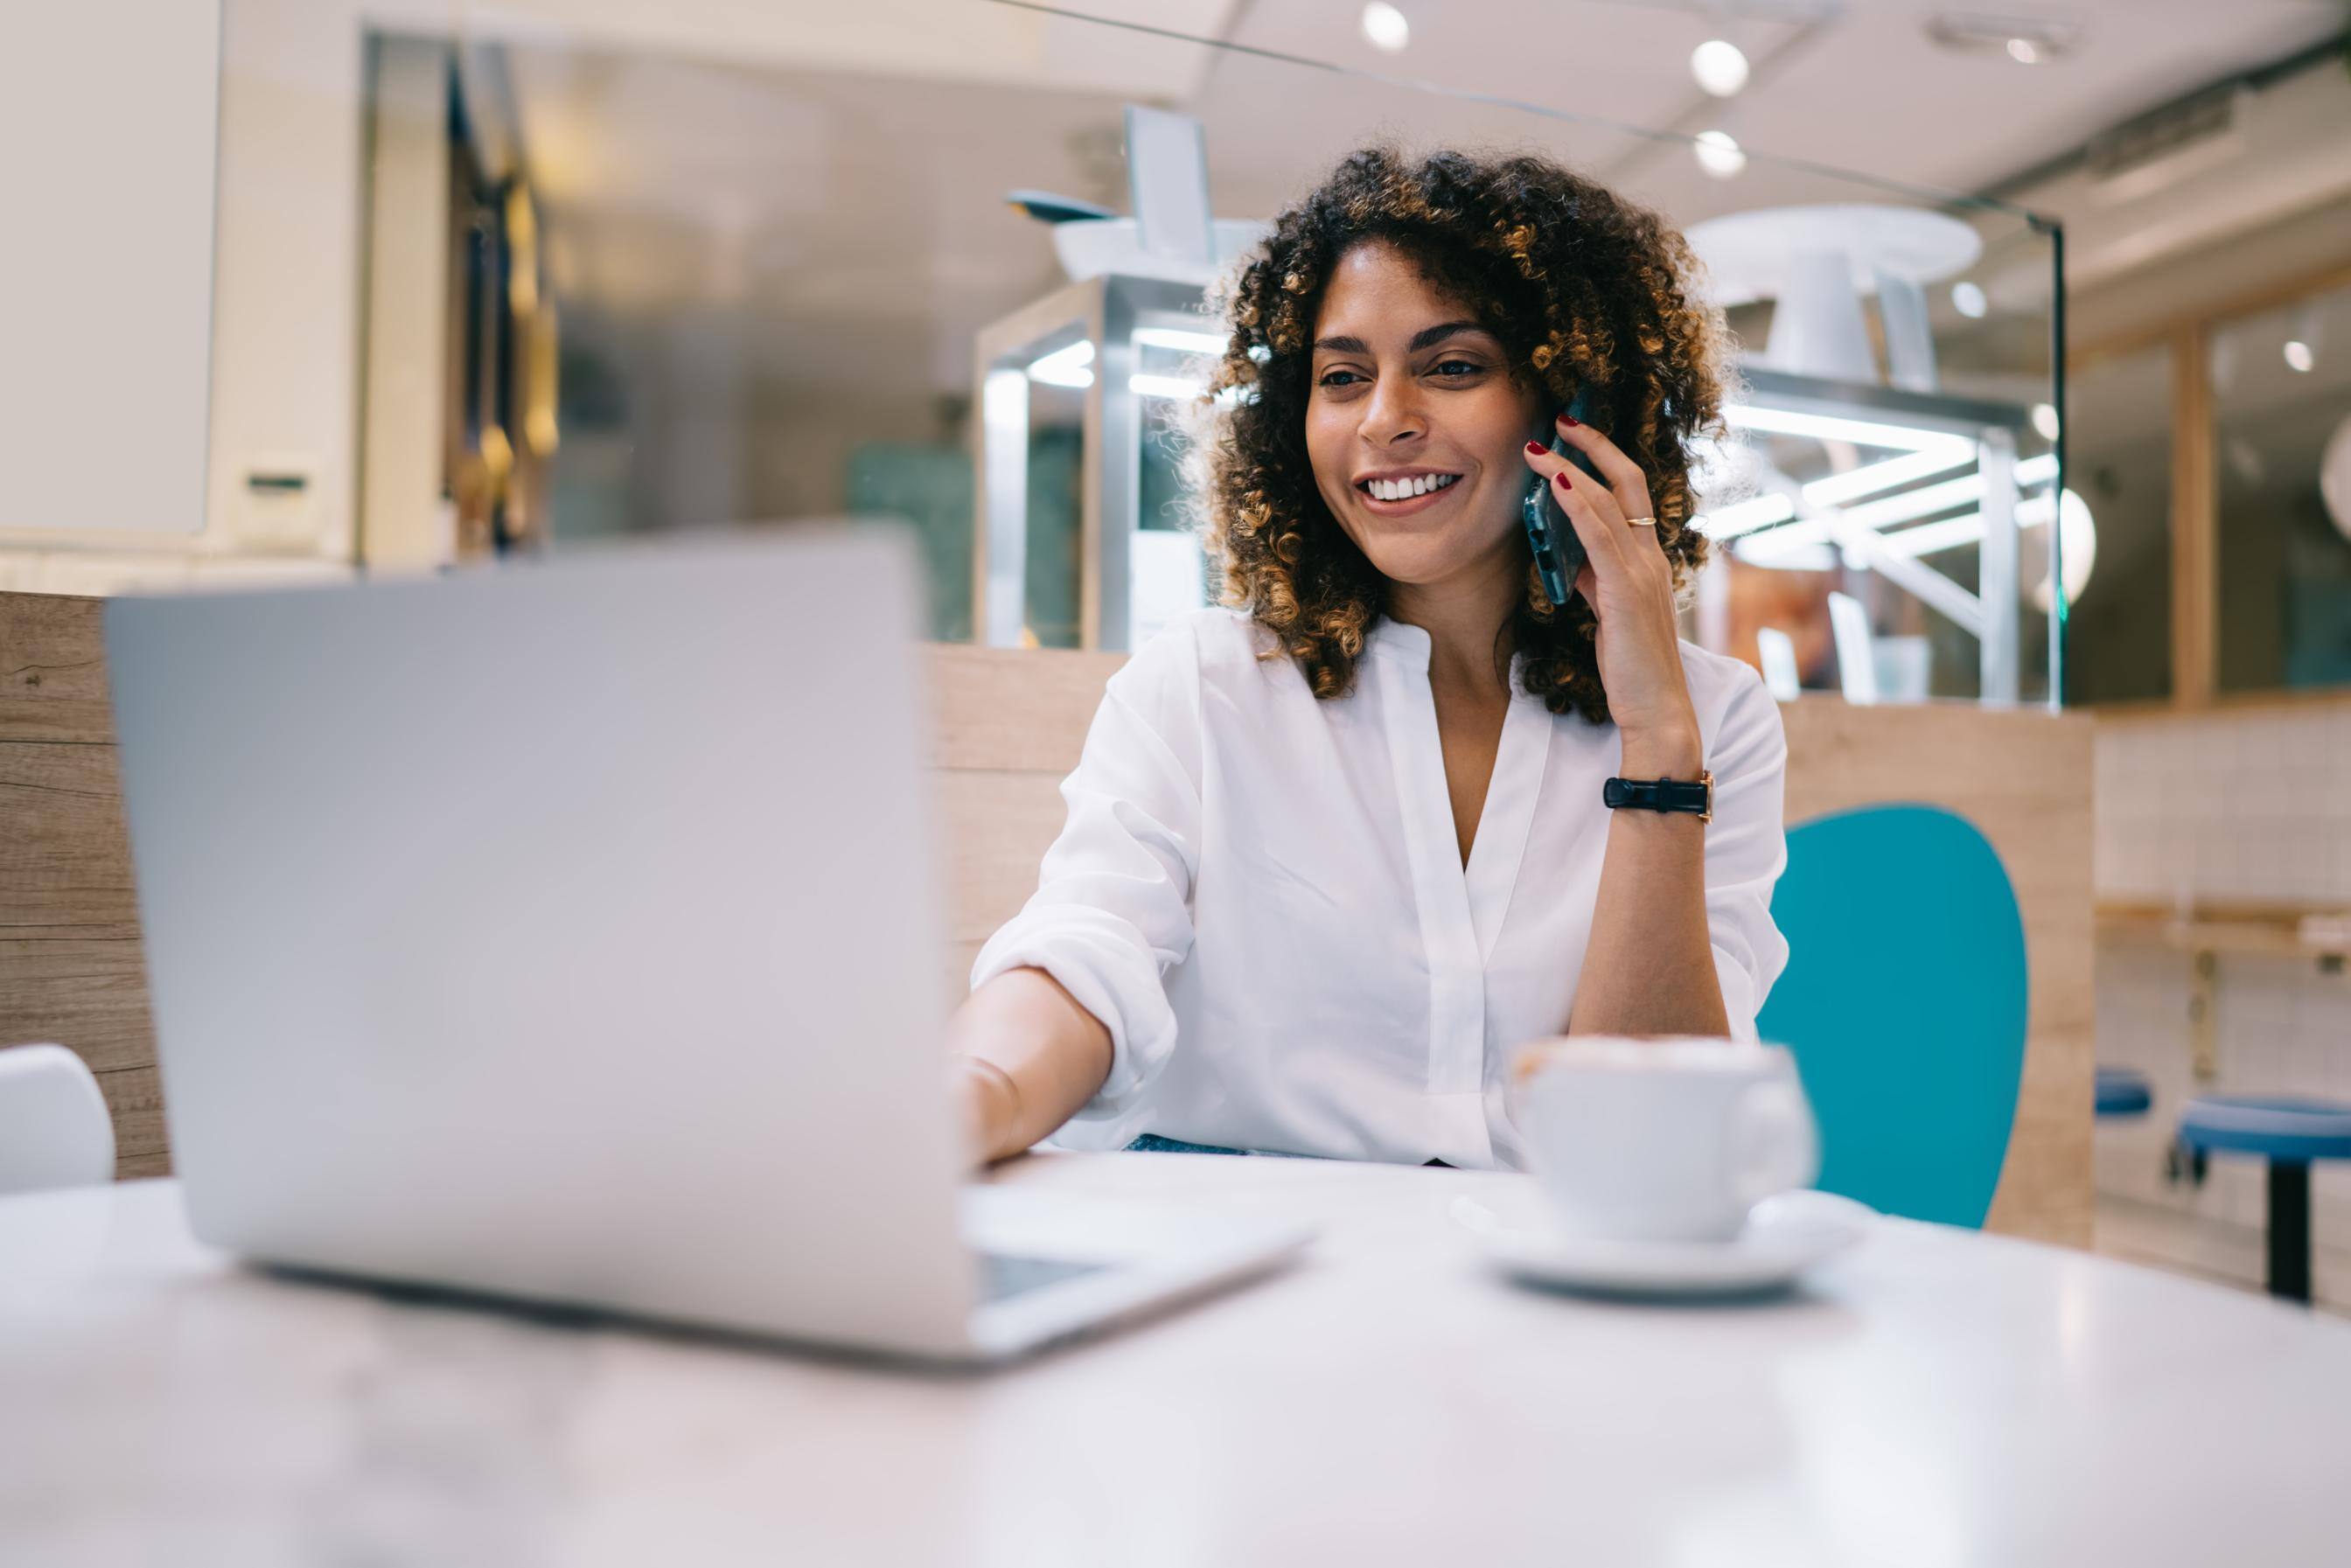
point(1695, 797)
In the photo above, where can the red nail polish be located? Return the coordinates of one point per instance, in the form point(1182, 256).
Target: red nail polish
point(1565, 482)
point(1570, 421)
point(1537, 447)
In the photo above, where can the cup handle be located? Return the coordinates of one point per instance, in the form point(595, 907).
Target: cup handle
point(1774, 1145)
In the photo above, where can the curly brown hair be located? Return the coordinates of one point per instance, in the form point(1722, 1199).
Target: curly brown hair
point(1584, 290)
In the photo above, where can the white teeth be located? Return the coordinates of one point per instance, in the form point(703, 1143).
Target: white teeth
point(1405, 489)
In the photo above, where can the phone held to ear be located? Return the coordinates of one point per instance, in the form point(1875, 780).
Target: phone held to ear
point(1558, 554)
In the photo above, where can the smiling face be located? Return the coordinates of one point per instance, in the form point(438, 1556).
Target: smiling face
point(1415, 424)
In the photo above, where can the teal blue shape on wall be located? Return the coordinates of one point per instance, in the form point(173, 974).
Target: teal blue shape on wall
point(1905, 1001)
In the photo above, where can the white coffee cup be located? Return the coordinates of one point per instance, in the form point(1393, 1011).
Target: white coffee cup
point(1661, 1140)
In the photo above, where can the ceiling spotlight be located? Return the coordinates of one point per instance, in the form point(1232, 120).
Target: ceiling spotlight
point(2044, 420)
point(2299, 357)
point(1384, 25)
point(1718, 66)
point(1718, 155)
point(1968, 299)
point(2027, 40)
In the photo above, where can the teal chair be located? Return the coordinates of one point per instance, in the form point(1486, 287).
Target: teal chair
point(1904, 1001)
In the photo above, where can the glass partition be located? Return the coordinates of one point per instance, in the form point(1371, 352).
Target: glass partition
point(2280, 385)
point(2121, 452)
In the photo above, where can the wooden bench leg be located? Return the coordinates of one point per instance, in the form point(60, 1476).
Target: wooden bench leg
point(2290, 1230)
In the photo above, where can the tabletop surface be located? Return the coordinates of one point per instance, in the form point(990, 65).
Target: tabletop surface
point(1931, 1397)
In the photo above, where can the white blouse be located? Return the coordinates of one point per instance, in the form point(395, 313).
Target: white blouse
point(1262, 895)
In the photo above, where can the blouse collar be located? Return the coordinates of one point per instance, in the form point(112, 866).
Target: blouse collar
point(1400, 640)
point(1412, 647)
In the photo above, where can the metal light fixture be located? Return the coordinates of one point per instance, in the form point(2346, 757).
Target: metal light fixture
point(2027, 40)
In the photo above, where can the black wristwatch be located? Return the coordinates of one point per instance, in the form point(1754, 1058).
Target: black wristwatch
point(1662, 795)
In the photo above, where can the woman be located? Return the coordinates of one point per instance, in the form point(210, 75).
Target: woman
point(1334, 847)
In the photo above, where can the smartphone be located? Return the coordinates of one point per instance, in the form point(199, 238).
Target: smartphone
point(1558, 554)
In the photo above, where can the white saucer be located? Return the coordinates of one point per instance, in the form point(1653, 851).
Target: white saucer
point(1783, 1236)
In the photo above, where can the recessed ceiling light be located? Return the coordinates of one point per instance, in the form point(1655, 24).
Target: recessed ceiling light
point(2027, 40)
point(1718, 66)
point(1968, 299)
point(1719, 154)
point(1384, 25)
point(2298, 356)
point(2044, 420)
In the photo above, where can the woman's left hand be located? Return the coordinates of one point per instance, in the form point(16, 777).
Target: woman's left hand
point(1629, 584)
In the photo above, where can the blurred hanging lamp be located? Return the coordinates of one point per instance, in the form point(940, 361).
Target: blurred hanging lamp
point(1720, 68)
point(2301, 347)
point(1386, 26)
point(2335, 478)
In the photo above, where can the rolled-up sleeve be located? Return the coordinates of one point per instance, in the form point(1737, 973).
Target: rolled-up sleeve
point(1746, 849)
point(1113, 906)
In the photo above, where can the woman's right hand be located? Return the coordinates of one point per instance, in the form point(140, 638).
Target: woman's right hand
point(1024, 1057)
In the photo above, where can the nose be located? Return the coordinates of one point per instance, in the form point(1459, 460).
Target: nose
point(1393, 413)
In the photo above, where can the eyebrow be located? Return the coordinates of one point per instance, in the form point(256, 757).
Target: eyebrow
point(1421, 340)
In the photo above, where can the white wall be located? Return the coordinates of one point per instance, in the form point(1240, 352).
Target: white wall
point(108, 110)
point(278, 285)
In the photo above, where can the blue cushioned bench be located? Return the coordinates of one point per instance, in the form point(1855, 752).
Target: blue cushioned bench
point(2123, 1092)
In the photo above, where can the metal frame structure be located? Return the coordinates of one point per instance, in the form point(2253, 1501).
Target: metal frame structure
point(1107, 312)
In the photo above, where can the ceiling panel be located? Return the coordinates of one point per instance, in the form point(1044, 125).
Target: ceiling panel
point(835, 171)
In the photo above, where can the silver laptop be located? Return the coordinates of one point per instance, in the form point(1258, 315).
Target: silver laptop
point(569, 931)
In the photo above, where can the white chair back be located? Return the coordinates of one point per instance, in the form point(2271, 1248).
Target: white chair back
point(53, 1129)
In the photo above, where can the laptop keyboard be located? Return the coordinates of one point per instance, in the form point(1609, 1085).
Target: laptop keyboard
point(1002, 1275)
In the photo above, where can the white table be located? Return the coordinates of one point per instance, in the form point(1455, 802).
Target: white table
point(1935, 1397)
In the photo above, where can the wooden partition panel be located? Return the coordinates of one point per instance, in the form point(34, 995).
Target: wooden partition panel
point(71, 966)
point(1009, 725)
point(2023, 777)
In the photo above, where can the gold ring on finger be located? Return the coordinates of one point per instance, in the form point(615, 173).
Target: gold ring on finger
point(1640, 522)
